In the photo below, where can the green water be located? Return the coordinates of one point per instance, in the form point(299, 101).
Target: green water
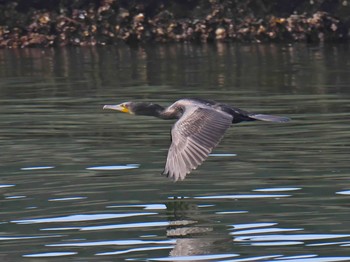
point(270, 191)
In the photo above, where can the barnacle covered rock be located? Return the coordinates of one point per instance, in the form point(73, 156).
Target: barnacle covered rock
point(105, 22)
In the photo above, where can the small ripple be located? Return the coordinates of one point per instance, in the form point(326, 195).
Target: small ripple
point(133, 250)
point(222, 155)
point(264, 230)
point(315, 259)
point(116, 167)
point(59, 228)
point(144, 206)
point(15, 197)
point(299, 256)
point(6, 185)
point(329, 244)
point(37, 168)
point(78, 218)
point(207, 205)
point(194, 258)
point(345, 192)
point(241, 196)
point(230, 212)
point(112, 243)
point(138, 225)
point(252, 258)
point(301, 237)
point(178, 198)
point(253, 225)
point(51, 254)
point(277, 189)
point(122, 226)
point(67, 198)
point(31, 207)
point(277, 243)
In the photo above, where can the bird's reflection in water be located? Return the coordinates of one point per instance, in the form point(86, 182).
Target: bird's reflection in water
point(195, 234)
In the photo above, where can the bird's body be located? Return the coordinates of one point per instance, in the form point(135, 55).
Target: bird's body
point(200, 126)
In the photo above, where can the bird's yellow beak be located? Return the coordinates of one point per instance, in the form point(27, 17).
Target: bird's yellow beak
point(121, 108)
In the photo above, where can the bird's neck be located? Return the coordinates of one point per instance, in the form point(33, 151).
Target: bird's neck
point(151, 110)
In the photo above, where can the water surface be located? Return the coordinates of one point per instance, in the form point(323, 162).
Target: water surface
point(81, 184)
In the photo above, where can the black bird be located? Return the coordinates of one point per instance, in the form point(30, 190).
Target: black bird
point(201, 125)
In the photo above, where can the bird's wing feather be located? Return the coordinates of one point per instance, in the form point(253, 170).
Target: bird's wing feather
point(194, 135)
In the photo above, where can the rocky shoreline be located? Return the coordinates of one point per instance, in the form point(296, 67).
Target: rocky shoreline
point(108, 23)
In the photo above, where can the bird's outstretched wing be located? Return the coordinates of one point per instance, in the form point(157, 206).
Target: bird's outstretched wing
point(194, 136)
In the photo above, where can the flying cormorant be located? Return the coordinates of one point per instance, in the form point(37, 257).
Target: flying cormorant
point(200, 126)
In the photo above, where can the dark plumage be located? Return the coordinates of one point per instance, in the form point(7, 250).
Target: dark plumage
point(201, 125)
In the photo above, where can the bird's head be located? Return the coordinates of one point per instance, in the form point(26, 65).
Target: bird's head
point(137, 108)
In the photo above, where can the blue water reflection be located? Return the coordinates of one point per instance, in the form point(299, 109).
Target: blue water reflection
point(132, 250)
point(36, 168)
point(115, 167)
point(77, 218)
point(51, 254)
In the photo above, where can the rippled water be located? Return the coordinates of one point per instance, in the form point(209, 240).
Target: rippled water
point(81, 184)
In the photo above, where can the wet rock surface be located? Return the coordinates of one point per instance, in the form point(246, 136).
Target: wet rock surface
point(107, 22)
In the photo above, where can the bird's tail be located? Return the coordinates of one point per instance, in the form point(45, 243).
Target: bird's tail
point(269, 118)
